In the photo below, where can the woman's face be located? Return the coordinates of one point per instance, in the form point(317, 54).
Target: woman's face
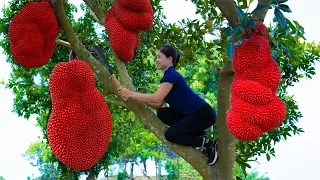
point(162, 62)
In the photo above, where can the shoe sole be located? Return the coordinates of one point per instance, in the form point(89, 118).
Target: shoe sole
point(216, 156)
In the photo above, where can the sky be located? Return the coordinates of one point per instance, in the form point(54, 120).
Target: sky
point(296, 158)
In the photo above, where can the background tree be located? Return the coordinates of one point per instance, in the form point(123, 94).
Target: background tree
point(220, 18)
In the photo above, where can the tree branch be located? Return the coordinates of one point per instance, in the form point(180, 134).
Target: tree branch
point(124, 77)
point(196, 159)
point(77, 46)
point(117, 103)
point(260, 15)
point(123, 74)
point(95, 10)
point(228, 9)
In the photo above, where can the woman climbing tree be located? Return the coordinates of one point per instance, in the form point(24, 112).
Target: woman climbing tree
point(188, 115)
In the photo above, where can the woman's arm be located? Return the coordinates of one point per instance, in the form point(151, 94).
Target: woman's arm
point(157, 97)
point(156, 105)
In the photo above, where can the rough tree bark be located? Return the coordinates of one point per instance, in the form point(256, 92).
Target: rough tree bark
point(144, 171)
point(158, 168)
point(96, 13)
point(131, 169)
point(223, 169)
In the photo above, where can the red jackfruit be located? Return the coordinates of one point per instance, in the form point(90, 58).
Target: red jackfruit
point(277, 113)
point(264, 116)
point(268, 76)
point(251, 92)
point(136, 5)
point(132, 20)
point(251, 54)
point(80, 125)
point(259, 30)
point(32, 34)
point(241, 129)
point(123, 41)
point(253, 114)
point(255, 107)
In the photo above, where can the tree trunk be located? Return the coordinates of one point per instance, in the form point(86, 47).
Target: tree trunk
point(125, 168)
point(178, 168)
point(223, 170)
point(144, 172)
point(158, 168)
point(131, 169)
point(93, 173)
point(91, 177)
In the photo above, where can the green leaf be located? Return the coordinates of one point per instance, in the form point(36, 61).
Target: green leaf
point(302, 30)
point(286, 52)
point(250, 23)
point(247, 165)
point(234, 32)
point(238, 178)
point(285, 8)
point(282, 1)
point(227, 30)
point(268, 157)
point(245, 3)
point(280, 18)
point(216, 41)
point(240, 13)
point(259, 7)
point(230, 51)
point(239, 42)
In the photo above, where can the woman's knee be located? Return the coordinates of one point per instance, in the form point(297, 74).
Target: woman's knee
point(165, 116)
point(170, 135)
point(161, 113)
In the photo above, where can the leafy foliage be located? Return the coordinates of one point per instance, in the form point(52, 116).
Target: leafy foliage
point(254, 175)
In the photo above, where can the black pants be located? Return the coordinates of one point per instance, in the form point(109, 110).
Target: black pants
point(187, 129)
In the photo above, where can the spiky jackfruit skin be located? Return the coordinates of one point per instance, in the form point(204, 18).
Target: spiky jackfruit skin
point(80, 124)
point(259, 94)
point(252, 54)
point(265, 116)
point(241, 129)
point(32, 34)
point(123, 41)
point(136, 5)
point(268, 76)
point(255, 108)
point(132, 20)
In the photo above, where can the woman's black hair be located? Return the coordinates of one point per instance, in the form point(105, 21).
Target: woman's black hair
point(168, 51)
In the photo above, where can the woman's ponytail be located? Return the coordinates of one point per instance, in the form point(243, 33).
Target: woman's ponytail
point(176, 60)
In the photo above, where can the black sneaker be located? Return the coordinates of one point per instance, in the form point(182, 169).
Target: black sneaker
point(212, 153)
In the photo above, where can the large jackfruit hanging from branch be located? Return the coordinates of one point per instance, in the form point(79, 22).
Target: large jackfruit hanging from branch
point(123, 21)
point(80, 125)
point(32, 34)
point(255, 108)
